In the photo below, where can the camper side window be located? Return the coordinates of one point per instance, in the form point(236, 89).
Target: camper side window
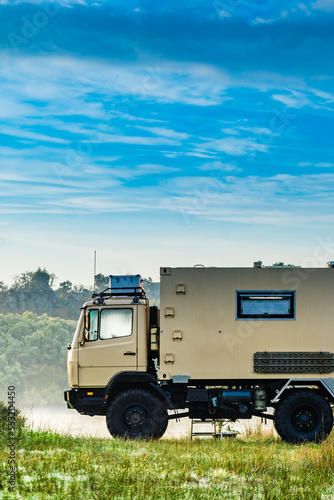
point(264, 305)
point(115, 323)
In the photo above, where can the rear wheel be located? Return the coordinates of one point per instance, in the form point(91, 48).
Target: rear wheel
point(136, 413)
point(304, 416)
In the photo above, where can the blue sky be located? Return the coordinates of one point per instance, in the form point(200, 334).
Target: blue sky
point(174, 133)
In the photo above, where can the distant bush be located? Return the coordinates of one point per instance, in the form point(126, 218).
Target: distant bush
point(4, 419)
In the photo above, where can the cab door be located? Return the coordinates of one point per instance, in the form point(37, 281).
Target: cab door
point(111, 344)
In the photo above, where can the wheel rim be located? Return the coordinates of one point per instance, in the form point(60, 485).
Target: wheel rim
point(305, 419)
point(135, 418)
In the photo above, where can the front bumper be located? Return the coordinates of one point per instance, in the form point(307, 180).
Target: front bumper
point(71, 397)
point(85, 400)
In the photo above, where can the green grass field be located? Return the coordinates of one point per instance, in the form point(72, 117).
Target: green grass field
point(254, 467)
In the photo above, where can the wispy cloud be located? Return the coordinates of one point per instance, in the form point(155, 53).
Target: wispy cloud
point(256, 130)
point(220, 166)
point(230, 131)
point(126, 173)
point(292, 100)
point(234, 146)
point(10, 108)
point(325, 5)
point(26, 134)
point(140, 140)
point(164, 132)
point(159, 34)
point(278, 200)
point(260, 20)
point(323, 95)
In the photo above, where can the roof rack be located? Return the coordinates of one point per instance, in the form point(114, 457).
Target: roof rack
point(108, 293)
point(122, 286)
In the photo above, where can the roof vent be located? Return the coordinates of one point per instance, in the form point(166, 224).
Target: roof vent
point(258, 264)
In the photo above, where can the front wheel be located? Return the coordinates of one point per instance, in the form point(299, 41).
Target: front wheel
point(304, 416)
point(136, 413)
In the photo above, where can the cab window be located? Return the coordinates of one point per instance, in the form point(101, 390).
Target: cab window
point(115, 323)
point(92, 326)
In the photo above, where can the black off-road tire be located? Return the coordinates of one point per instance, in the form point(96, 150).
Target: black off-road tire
point(137, 414)
point(304, 416)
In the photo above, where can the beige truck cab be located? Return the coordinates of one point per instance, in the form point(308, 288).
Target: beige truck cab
point(226, 343)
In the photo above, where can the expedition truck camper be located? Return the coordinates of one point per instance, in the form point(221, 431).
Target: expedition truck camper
point(227, 343)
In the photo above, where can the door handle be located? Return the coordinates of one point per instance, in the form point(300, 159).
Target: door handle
point(129, 353)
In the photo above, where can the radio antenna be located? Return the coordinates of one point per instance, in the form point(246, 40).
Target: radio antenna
point(94, 281)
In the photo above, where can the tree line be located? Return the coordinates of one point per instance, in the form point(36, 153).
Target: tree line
point(33, 353)
point(36, 325)
point(35, 291)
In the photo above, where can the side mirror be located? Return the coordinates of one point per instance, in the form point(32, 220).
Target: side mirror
point(84, 335)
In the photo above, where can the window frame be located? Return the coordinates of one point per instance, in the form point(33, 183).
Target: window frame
point(115, 309)
point(98, 324)
point(239, 316)
point(99, 310)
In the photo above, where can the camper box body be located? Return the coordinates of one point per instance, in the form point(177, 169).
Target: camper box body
point(204, 336)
